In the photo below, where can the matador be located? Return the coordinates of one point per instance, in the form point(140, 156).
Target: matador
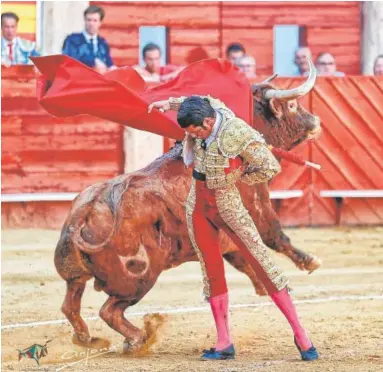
point(224, 150)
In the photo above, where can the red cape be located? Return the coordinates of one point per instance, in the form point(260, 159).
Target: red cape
point(68, 88)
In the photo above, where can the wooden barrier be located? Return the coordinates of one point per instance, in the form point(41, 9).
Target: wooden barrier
point(200, 29)
point(42, 154)
point(350, 151)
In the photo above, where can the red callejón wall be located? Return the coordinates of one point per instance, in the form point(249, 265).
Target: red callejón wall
point(204, 29)
point(44, 154)
point(349, 149)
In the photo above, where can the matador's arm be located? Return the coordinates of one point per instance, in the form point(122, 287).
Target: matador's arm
point(237, 138)
point(263, 165)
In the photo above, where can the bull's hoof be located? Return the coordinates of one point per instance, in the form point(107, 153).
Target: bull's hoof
point(134, 346)
point(313, 264)
point(90, 342)
point(141, 344)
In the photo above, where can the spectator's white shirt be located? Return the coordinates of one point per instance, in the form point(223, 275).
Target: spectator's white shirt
point(88, 37)
point(7, 42)
point(21, 50)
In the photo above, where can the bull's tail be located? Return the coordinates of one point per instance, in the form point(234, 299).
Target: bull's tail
point(48, 341)
point(76, 229)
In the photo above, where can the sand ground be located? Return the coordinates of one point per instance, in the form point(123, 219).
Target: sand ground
point(341, 304)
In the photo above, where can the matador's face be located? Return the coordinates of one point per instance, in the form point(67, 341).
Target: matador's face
point(201, 131)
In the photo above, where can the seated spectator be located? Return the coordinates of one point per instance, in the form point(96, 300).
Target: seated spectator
point(14, 49)
point(153, 71)
point(326, 65)
point(302, 55)
point(88, 47)
point(378, 66)
point(247, 65)
point(235, 51)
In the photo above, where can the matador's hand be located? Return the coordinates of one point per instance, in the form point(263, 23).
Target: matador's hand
point(160, 105)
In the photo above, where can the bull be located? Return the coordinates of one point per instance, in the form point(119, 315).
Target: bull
point(126, 231)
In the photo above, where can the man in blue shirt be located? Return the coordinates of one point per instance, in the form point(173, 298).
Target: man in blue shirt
point(88, 47)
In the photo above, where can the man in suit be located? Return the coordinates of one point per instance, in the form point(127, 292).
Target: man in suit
point(88, 47)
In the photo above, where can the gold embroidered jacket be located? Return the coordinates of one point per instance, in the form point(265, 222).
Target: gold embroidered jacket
point(234, 138)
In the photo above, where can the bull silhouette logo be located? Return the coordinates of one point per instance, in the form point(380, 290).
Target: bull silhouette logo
point(35, 352)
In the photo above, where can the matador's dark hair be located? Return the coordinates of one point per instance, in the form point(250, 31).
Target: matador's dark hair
point(193, 111)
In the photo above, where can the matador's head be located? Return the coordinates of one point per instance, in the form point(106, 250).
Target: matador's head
point(197, 117)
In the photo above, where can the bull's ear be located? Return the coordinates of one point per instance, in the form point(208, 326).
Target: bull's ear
point(276, 108)
point(257, 92)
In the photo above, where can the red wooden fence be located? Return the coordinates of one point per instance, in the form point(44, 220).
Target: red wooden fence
point(200, 29)
point(44, 154)
point(350, 150)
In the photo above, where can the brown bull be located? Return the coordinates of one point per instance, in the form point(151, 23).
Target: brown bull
point(126, 231)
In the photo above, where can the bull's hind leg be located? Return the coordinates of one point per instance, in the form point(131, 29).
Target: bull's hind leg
point(136, 340)
point(72, 307)
point(280, 242)
point(237, 260)
point(272, 235)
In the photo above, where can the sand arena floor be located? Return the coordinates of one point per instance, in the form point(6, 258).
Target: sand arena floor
point(341, 305)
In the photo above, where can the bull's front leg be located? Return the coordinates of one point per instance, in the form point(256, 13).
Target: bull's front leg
point(136, 340)
point(72, 307)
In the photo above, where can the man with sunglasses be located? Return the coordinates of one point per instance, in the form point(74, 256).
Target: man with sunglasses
point(223, 150)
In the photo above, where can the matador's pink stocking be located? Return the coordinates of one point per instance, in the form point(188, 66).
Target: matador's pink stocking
point(284, 302)
point(220, 306)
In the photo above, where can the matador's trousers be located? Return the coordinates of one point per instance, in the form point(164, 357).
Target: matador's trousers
point(209, 211)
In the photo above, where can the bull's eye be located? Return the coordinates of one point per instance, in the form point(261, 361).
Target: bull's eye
point(292, 106)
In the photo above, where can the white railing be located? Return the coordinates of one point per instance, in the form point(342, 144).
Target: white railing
point(68, 196)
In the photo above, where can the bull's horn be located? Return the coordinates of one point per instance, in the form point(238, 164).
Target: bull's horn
point(272, 77)
point(294, 92)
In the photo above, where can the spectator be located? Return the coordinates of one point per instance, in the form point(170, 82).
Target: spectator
point(302, 55)
point(326, 65)
point(88, 47)
point(378, 65)
point(153, 71)
point(235, 51)
point(247, 65)
point(14, 49)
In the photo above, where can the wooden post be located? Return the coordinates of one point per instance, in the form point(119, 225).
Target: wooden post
point(372, 34)
point(141, 148)
point(57, 20)
point(338, 211)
